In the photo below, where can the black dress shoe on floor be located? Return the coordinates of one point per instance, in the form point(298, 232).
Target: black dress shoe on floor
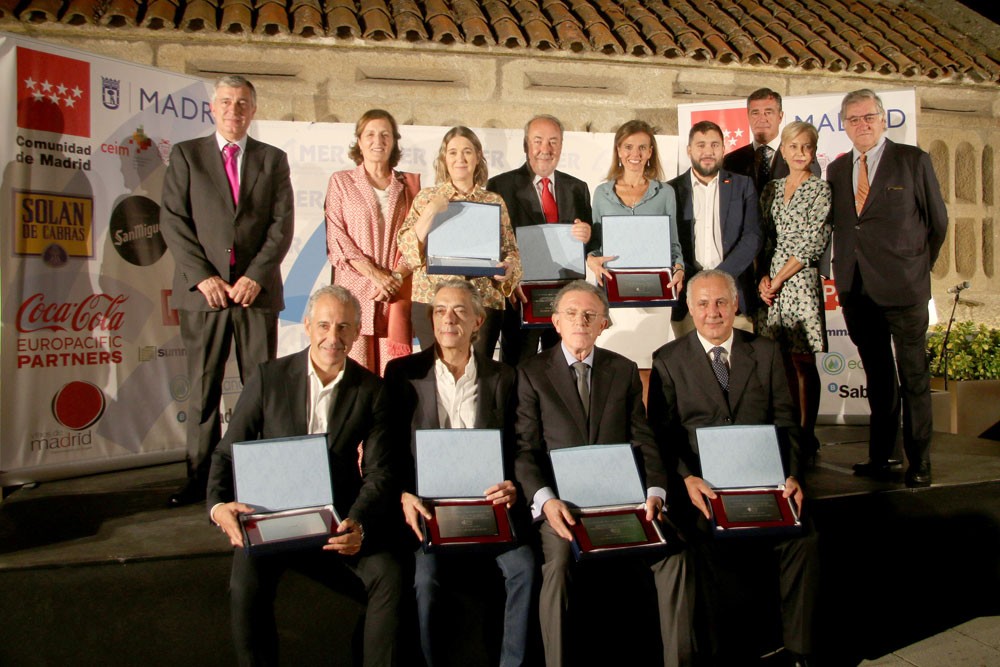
point(919, 475)
point(875, 470)
point(192, 492)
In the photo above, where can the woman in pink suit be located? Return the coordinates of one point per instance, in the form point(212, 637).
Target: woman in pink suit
point(365, 208)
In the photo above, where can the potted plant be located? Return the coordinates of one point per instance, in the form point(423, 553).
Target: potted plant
point(972, 364)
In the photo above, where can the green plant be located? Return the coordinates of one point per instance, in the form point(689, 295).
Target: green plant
point(973, 351)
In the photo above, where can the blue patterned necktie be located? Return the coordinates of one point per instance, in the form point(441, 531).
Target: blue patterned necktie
point(720, 367)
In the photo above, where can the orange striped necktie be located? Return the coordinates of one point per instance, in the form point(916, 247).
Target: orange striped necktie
point(862, 192)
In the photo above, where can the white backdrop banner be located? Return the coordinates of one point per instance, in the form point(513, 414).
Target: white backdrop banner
point(844, 394)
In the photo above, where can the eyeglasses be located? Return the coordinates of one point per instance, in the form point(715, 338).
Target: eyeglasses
point(588, 316)
point(868, 118)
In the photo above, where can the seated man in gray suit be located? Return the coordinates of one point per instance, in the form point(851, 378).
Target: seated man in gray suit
point(578, 394)
point(718, 376)
point(449, 386)
point(317, 390)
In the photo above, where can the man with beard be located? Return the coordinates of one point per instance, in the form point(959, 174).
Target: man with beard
point(717, 221)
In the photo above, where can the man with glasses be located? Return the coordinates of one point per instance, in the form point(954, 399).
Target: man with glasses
point(889, 223)
point(578, 394)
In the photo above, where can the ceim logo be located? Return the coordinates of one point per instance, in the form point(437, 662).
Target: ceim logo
point(110, 92)
point(833, 363)
point(78, 405)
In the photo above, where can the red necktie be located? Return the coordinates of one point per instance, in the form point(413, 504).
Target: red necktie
point(229, 154)
point(549, 207)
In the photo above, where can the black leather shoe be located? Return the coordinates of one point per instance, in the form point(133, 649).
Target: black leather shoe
point(919, 475)
point(875, 470)
point(192, 492)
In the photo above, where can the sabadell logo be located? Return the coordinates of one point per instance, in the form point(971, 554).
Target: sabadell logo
point(78, 405)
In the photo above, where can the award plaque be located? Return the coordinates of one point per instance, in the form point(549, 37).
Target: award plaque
point(743, 466)
point(601, 483)
point(464, 240)
point(287, 482)
point(454, 468)
point(550, 258)
point(642, 268)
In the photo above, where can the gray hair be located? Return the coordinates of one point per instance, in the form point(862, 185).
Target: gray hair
point(341, 294)
point(711, 273)
point(541, 116)
point(861, 95)
point(474, 297)
point(235, 81)
point(582, 286)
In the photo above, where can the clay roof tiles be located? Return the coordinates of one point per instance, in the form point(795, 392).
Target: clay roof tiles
point(882, 36)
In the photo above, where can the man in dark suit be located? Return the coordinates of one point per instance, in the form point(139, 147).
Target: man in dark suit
point(760, 159)
point(318, 390)
point(718, 223)
point(551, 414)
point(889, 222)
point(449, 386)
point(227, 218)
point(536, 194)
point(685, 393)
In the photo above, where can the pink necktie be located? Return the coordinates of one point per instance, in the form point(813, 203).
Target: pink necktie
point(230, 152)
point(549, 207)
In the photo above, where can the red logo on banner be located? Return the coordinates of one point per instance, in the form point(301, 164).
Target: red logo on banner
point(831, 300)
point(96, 312)
point(733, 123)
point(53, 93)
point(78, 405)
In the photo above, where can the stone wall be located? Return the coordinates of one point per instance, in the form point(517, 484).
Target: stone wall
point(432, 84)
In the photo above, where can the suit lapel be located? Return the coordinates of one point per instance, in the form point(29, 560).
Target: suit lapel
point(426, 388)
point(212, 157)
point(251, 169)
point(703, 373)
point(560, 375)
point(486, 390)
point(343, 401)
point(742, 363)
point(881, 176)
point(527, 196)
point(298, 385)
point(601, 378)
point(564, 199)
point(725, 196)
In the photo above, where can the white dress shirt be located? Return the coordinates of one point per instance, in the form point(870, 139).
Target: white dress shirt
point(457, 400)
point(707, 224)
point(318, 407)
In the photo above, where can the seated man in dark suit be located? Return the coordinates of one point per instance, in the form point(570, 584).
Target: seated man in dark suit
point(718, 376)
point(537, 194)
point(318, 390)
point(579, 394)
point(449, 386)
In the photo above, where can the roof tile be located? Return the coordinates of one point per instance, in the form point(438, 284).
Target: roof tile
point(887, 37)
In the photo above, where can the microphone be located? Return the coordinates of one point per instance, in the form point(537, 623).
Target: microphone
point(959, 287)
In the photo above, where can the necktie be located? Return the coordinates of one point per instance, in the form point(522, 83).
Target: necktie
point(862, 192)
point(549, 207)
point(720, 368)
point(229, 158)
point(581, 385)
point(764, 155)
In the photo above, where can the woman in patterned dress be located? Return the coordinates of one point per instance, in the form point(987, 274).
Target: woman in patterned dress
point(365, 208)
point(794, 221)
point(461, 173)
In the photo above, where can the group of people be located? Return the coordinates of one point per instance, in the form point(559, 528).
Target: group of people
point(741, 262)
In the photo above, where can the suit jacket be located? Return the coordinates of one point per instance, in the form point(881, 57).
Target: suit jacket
point(550, 416)
point(518, 192)
point(201, 225)
point(741, 161)
point(895, 240)
point(684, 395)
point(274, 404)
point(739, 216)
point(413, 390)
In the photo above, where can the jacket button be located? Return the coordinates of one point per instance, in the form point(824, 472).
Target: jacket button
point(857, 226)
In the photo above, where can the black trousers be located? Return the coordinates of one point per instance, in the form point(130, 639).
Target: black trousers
point(893, 386)
point(253, 586)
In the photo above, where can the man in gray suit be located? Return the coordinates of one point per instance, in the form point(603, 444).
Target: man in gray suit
point(889, 223)
point(227, 218)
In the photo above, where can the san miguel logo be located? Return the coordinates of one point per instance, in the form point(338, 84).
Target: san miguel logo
point(97, 312)
point(733, 123)
point(45, 218)
point(53, 93)
point(78, 405)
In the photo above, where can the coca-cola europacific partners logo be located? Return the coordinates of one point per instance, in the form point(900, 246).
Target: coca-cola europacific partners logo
point(78, 405)
point(97, 312)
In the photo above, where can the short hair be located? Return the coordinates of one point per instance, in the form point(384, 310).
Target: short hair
point(704, 127)
point(764, 94)
point(474, 296)
point(861, 95)
point(354, 152)
point(582, 286)
point(653, 170)
point(795, 128)
point(541, 116)
point(711, 273)
point(235, 81)
point(481, 173)
point(338, 292)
